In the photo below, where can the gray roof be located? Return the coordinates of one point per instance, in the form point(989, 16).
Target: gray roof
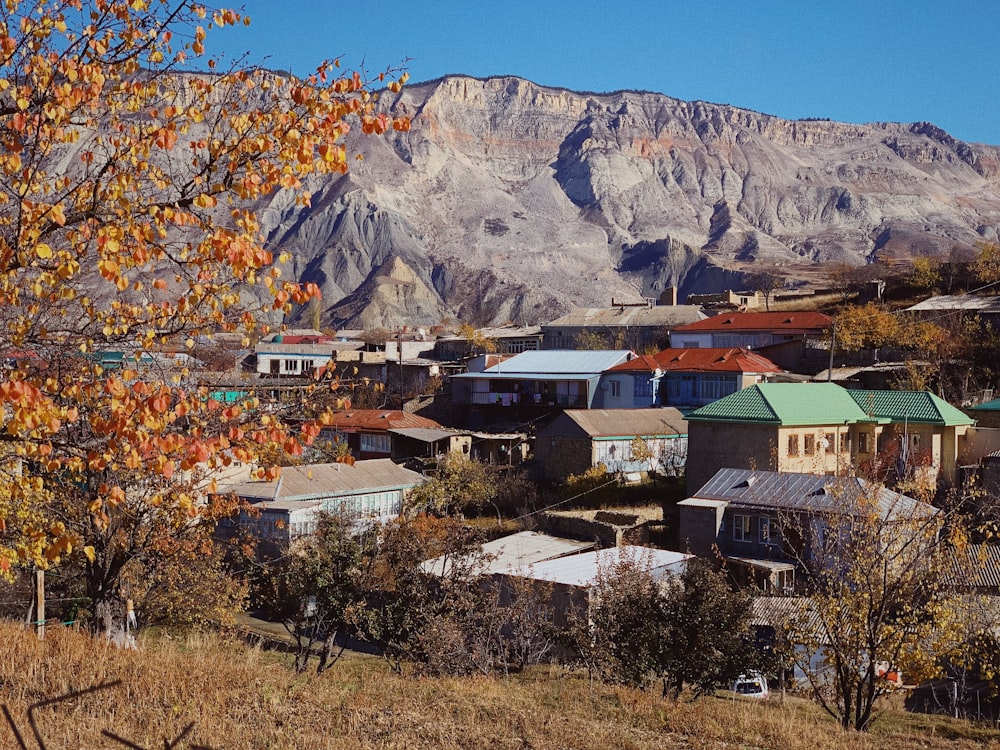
point(782, 612)
point(582, 569)
point(977, 566)
point(554, 363)
point(747, 488)
point(523, 549)
point(426, 434)
point(498, 332)
point(596, 423)
point(318, 481)
point(965, 302)
point(657, 315)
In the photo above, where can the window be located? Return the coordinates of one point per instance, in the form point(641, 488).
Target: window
point(616, 389)
point(742, 528)
point(371, 443)
point(767, 529)
point(915, 440)
point(844, 442)
point(829, 443)
point(809, 445)
point(644, 387)
point(716, 386)
point(793, 445)
point(862, 442)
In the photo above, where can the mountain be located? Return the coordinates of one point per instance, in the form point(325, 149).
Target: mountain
point(512, 201)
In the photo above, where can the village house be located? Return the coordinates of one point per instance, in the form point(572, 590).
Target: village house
point(512, 552)
point(695, 377)
point(297, 354)
point(960, 306)
point(288, 507)
point(728, 300)
point(367, 431)
point(821, 428)
point(508, 339)
point(423, 447)
point(568, 580)
point(533, 384)
point(639, 327)
point(792, 340)
point(766, 523)
point(630, 385)
point(579, 439)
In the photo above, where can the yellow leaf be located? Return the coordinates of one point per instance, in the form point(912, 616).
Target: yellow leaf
point(43, 251)
point(89, 552)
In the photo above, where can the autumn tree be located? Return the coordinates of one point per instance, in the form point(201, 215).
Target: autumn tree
point(479, 343)
point(925, 273)
point(124, 223)
point(881, 596)
point(874, 326)
point(986, 265)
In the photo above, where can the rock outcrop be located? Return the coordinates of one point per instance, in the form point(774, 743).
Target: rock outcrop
point(512, 201)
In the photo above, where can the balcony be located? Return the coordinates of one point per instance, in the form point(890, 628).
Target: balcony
point(512, 399)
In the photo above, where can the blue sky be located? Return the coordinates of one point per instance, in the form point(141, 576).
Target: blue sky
point(895, 60)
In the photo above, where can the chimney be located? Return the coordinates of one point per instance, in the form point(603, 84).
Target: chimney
point(669, 296)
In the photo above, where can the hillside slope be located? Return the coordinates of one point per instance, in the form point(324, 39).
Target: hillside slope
point(237, 697)
point(513, 201)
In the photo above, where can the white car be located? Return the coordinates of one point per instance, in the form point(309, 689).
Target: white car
point(752, 685)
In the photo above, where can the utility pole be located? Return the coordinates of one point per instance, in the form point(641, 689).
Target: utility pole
point(399, 354)
point(40, 603)
point(833, 345)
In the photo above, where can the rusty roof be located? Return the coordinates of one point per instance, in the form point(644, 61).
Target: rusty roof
point(640, 363)
point(377, 420)
point(762, 321)
point(714, 360)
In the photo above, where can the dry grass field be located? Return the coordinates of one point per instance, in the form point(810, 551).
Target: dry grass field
point(241, 697)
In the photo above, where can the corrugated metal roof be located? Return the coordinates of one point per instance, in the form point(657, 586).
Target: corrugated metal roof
point(518, 551)
point(964, 302)
point(762, 321)
point(783, 612)
point(657, 315)
point(582, 569)
point(714, 360)
point(550, 362)
point(427, 434)
point(978, 566)
point(747, 488)
point(922, 407)
point(312, 481)
point(785, 404)
point(664, 420)
point(498, 332)
point(642, 363)
point(377, 420)
point(993, 405)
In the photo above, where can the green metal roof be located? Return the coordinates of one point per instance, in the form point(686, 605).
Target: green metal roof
point(784, 404)
point(921, 407)
point(993, 405)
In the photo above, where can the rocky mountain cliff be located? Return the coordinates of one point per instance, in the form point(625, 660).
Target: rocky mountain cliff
point(512, 201)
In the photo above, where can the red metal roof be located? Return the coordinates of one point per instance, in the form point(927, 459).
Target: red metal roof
point(762, 321)
point(377, 420)
point(714, 360)
point(639, 363)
